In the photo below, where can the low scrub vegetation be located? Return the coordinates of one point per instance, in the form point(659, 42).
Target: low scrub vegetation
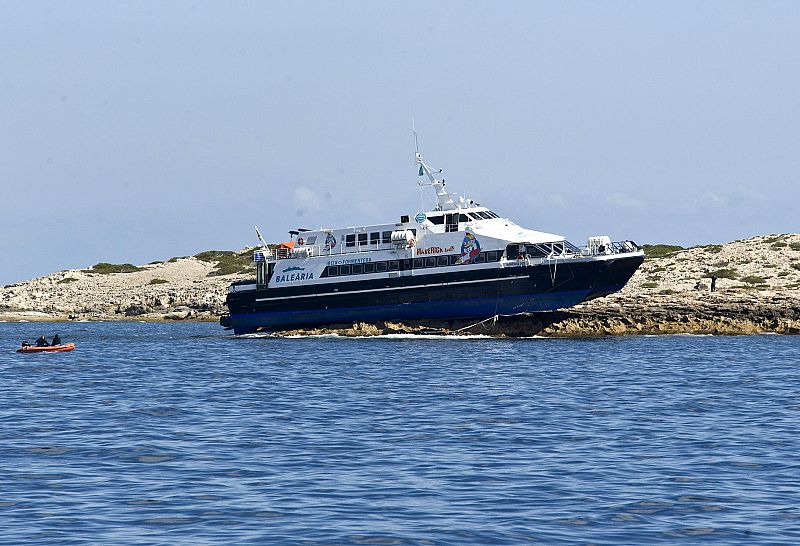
point(649, 284)
point(214, 255)
point(659, 251)
point(158, 281)
point(754, 279)
point(67, 280)
point(107, 268)
point(227, 262)
point(794, 246)
point(723, 274)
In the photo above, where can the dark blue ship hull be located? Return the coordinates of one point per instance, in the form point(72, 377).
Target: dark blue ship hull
point(476, 294)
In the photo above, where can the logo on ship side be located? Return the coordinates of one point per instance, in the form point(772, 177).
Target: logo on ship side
point(470, 248)
point(294, 277)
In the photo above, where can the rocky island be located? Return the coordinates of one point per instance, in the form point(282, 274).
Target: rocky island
point(757, 290)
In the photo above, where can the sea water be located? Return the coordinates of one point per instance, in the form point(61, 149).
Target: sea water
point(185, 434)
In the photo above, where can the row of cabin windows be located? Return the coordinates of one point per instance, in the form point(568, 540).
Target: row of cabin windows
point(462, 217)
point(374, 238)
point(406, 265)
point(541, 250)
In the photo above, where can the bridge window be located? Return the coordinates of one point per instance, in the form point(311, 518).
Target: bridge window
point(350, 239)
point(437, 220)
point(386, 237)
point(537, 251)
point(374, 238)
point(362, 239)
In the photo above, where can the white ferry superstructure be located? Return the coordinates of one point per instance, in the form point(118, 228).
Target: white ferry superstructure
point(457, 261)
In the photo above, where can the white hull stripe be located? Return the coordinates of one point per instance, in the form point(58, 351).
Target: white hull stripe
point(347, 292)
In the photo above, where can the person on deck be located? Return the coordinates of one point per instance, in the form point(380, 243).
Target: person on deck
point(56, 340)
point(25, 343)
point(42, 342)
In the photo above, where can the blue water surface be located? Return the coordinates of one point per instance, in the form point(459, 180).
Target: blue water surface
point(184, 434)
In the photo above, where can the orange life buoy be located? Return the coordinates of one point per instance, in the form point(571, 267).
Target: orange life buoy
point(411, 243)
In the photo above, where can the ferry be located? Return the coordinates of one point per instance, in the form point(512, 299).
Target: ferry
point(460, 260)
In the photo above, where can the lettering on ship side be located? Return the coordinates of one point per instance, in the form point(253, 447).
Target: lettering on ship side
point(293, 277)
point(435, 250)
point(349, 261)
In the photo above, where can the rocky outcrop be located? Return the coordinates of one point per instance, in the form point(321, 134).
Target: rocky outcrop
point(757, 291)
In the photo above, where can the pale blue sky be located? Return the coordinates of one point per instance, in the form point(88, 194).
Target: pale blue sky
point(137, 131)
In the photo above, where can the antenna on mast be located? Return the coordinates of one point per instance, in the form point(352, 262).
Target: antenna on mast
point(260, 238)
point(414, 130)
point(444, 199)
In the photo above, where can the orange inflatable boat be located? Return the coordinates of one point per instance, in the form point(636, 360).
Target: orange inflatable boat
point(49, 349)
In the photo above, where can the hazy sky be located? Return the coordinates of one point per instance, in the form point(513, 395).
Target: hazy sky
point(138, 131)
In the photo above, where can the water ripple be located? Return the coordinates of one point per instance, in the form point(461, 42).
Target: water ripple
point(182, 434)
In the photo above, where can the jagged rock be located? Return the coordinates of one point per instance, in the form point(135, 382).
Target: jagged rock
point(136, 310)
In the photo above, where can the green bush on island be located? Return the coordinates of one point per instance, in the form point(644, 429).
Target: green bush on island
point(666, 291)
point(796, 265)
point(67, 280)
point(107, 268)
point(228, 262)
point(723, 274)
point(794, 246)
point(778, 245)
point(774, 239)
point(158, 281)
point(659, 251)
point(649, 284)
point(783, 274)
point(753, 279)
point(214, 255)
point(155, 262)
point(714, 249)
